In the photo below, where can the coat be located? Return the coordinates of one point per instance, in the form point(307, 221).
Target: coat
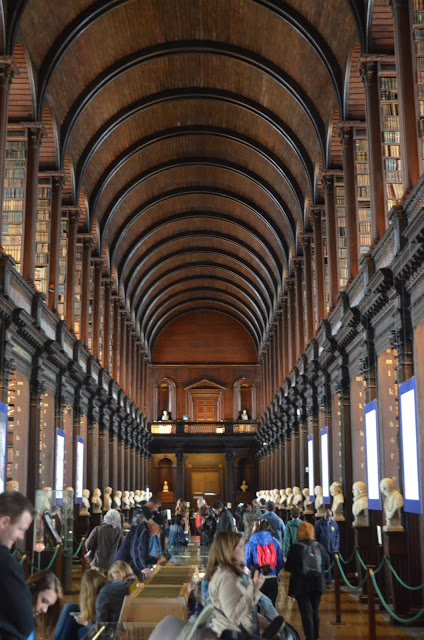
point(225, 521)
point(105, 541)
point(16, 616)
point(300, 584)
point(135, 549)
point(328, 534)
point(207, 531)
point(276, 523)
point(262, 538)
point(290, 535)
point(176, 537)
point(234, 598)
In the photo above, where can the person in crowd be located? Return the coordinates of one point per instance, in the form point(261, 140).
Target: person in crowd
point(201, 502)
point(144, 512)
point(47, 593)
point(208, 526)
point(135, 548)
point(105, 540)
point(111, 596)
point(328, 534)
point(176, 537)
point(75, 620)
point(232, 596)
point(290, 532)
point(306, 589)
point(262, 505)
point(262, 549)
point(276, 522)
point(16, 609)
point(250, 515)
point(181, 509)
point(224, 517)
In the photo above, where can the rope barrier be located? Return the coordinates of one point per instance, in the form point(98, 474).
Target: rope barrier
point(399, 579)
point(419, 615)
point(74, 555)
point(349, 559)
point(22, 560)
point(49, 566)
point(364, 566)
point(345, 580)
point(330, 567)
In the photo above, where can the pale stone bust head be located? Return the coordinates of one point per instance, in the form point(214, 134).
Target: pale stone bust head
point(338, 500)
point(393, 501)
point(360, 504)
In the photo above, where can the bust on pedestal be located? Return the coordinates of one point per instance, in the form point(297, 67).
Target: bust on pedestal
point(244, 415)
point(165, 415)
point(319, 502)
point(126, 500)
point(131, 499)
point(107, 503)
point(307, 501)
point(117, 500)
point(85, 504)
point(244, 487)
point(360, 504)
point(297, 498)
point(289, 501)
point(137, 497)
point(96, 501)
point(338, 501)
point(393, 501)
point(165, 487)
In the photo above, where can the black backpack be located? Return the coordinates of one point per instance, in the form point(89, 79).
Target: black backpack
point(311, 560)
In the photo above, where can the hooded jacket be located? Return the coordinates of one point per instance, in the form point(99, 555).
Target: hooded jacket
point(262, 538)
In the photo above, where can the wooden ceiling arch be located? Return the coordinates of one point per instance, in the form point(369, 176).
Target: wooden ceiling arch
point(193, 133)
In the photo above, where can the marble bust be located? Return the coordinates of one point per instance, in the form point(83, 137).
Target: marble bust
point(96, 501)
point(126, 500)
point(319, 502)
point(12, 485)
point(360, 504)
point(165, 415)
point(283, 498)
point(244, 486)
point(338, 501)
point(393, 501)
point(244, 415)
point(137, 497)
point(131, 499)
point(297, 498)
point(165, 487)
point(85, 504)
point(307, 501)
point(107, 499)
point(117, 500)
point(289, 501)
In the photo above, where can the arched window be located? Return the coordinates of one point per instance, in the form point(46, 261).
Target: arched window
point(165, 399)
point(244, 399)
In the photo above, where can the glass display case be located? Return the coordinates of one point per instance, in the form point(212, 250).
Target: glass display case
point(53, 523)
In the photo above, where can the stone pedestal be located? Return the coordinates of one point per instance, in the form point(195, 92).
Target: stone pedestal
point(95, 520)
point(81, 526)
point(309, 517)
point(166, 496)
point(395, 546)
point(366, 541)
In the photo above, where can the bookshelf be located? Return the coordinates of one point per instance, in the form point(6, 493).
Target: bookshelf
point(325, 265)
point(14, 194)
point(101, 322)
point(339, 195)
point(90, 310)
point(11, 409)
point(390, 127)
point(418, 35)
point(78, 289)
point(63, 257)
point(42, 234)
point(362, 187)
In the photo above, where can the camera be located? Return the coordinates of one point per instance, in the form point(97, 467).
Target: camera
point(265, 569)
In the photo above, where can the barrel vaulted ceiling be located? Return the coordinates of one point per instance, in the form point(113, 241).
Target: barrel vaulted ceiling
point(195, 132)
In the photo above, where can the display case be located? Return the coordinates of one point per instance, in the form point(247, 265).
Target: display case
point(54, 520)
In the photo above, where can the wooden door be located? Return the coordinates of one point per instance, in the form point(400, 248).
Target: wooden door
point(205, 409)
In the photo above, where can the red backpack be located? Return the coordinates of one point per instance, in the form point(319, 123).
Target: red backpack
point(267, 555)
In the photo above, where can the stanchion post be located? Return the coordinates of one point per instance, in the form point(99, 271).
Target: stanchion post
point(337, 602)
point(371, 606)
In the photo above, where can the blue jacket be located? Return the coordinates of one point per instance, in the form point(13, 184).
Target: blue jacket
point(328, 534)
point(276, 523)
point(176, 536)
point(262, 538)
point(135, 548)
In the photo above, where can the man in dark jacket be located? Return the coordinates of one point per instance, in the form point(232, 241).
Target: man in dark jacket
point(328, 534)
point(135, 549)
point(145, 511)
point(225, 520)
point(16, 615)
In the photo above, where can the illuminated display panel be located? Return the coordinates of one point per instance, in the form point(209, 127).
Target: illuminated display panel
point(60, 459)
point(325, 471)
point(80, 470)
point(372, 455)
point(311, 465)
point(409, 446)
point(3, 446)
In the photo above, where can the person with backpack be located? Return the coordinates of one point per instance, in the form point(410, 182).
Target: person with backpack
point(328, 534)
point(275, 521)
point(307, 561)
point(263, 550)
point(290, 532)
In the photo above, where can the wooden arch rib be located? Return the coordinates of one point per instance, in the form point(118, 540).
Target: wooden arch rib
point(68, 192)
point(83, 217)
point(355, 93)
point(164, 50)
point(21, 107)
point(100, 8)
point(232, 167)
point(335, 151)
point(182, 191)
point(242, 271)
point(208, 94)
point(49, 152)
point(164, 291)
point(180, 309)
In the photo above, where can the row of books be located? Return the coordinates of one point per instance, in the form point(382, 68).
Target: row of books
point(394, 190)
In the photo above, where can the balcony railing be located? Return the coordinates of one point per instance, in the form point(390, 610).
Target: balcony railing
point(180, 427)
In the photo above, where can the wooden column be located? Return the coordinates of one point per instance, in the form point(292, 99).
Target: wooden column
point(113, 461)
point(116, 342)
point(98, 266)
point(122, 350)
point(7, 71)
point(73, 214)
point(317, 215)
point(285, 337)
point(108, 310)
point(104, 478)
point(128, 359)
point(309, 292)
point(92, 453)
point(180, 474)
point(292, 355)
point(369, 74)
point(406, 82)
point(287, 460)
point(58, 180)
point(294, 457)
point(330, 216)
point(36, 132)
point(352, 231)
point(87, 242)
point(300, 325)
point(37, 388)
point(279, 335)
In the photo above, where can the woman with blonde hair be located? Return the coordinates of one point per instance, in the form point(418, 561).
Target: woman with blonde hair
point(111, 596)
point(234, 598)
point(307, 581)
point(121, 570)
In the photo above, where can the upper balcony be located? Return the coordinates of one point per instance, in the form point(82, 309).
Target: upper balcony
point(182, 427)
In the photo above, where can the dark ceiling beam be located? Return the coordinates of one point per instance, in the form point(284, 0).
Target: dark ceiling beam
point(193, 190)
point(167, 49)
point(237, 280)
point(150, 232)
point(243, 272)
point(204, 283)
point(207, 294)
point(227, 97)
point(155, 171)
point(12, 18)
point(182, 309)
point(359, 12)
